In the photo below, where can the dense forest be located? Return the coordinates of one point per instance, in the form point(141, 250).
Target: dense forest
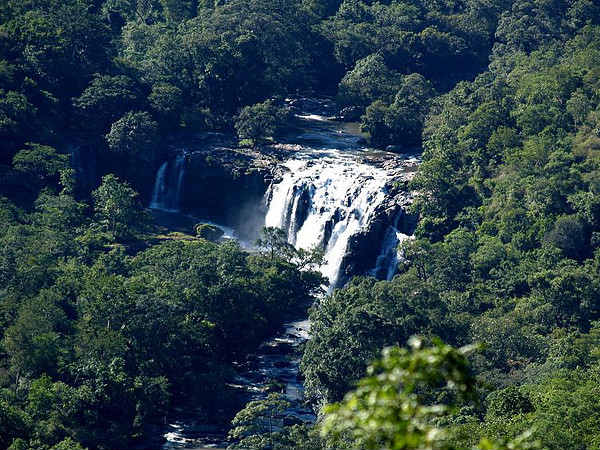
point(106, 324)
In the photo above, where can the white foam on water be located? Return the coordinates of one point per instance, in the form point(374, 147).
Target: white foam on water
point(341, 195)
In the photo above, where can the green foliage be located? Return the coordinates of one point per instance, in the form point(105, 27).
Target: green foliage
point(413, 35)
point(32, 343)
point(42, 162)
point(13, 423)
point(402, 121)
point(15, 113)
point(322, 8)
point(350, 327)
point(508, 402)
point(254, 427)
point(67, 444)
point(106, 99)
point(117, 208)
point(177, 10)
point(209, 232)
point(97, 344)
point(260, 426)
point(569, 234)
point(135, 134)
point(369, 80)
point(244, 51)
point(59, 44)
point(387, 409)
point(506, 250)
point(273, 244)
point(102, 331)
point(261, 121)
point(167, 102)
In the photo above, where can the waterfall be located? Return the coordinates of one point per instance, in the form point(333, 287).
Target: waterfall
point(323, 200)
point(168, 185)
point(159, 186)
point(387, 261)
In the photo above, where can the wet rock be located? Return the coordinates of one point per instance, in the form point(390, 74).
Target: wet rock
point(365, 247)
point(279, 349)
point(302, 207)
point(307, 105)
point(226, 184)
point(394, 148)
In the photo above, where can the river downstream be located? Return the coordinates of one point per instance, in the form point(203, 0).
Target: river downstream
point(273, 368)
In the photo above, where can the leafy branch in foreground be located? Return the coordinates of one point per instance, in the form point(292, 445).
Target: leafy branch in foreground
point(388, 409)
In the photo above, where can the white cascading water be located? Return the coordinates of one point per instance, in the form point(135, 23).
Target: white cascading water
point(168, 185)
point(159, 186)
point(325, 198)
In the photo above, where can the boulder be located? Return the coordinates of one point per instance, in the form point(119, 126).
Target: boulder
point(209, 232)
point(394, 148)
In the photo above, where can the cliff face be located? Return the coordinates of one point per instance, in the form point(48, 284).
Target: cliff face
point(224, 183)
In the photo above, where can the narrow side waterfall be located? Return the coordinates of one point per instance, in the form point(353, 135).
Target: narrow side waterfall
point(159, 186)
point(168, 185)
point(323, 200)
point(387, 261)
